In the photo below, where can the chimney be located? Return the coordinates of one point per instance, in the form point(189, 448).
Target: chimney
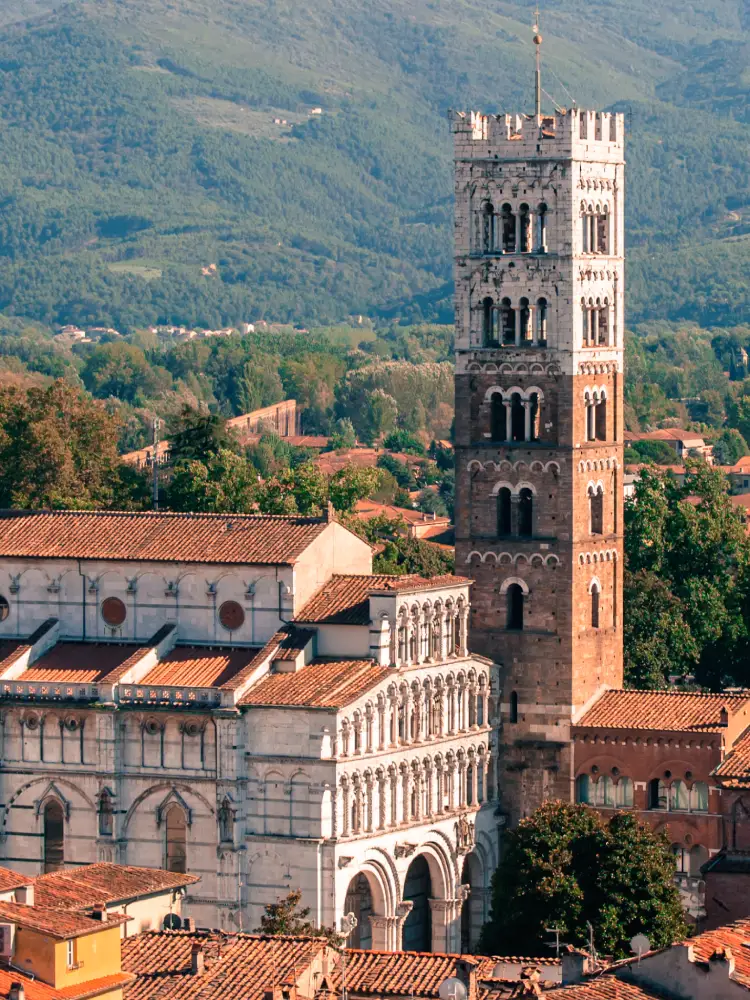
point(188, 924)
point(197, 959)
point(25, 894)
point(99, 914)
point(573, 966)
point(16, 991)
point(724, 716)
point(466, 971)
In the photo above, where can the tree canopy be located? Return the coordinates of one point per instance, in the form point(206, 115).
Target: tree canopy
point(286, 917)
point(565, 867)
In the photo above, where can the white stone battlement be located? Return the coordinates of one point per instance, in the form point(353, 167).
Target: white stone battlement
point(586, 135)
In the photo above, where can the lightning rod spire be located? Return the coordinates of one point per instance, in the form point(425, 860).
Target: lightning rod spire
point(538, 73)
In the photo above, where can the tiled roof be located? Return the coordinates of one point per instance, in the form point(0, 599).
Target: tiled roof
point(734, 936)
point(734, 770)
point(321, 684)
point(10, 651)
point(237, 966)
point(79, 889)
point(10, 880)
point(35, 989)
point(53, 922)
point(343, 600)
point(160, 537)
point(601, 988)
point(403, 973)
point(199, 666)
point(79, 662)
point(365, 510)
point(672, 711)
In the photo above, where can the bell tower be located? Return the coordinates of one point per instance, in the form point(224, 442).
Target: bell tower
point(539, 423)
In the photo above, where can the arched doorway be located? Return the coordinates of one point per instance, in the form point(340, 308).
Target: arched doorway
point(54, 836)
point(359, 902)
point(417, 931)
point(472, 911)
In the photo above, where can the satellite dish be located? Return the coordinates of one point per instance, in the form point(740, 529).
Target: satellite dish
point(640, 944)
point(172, 922)
point(452, 989)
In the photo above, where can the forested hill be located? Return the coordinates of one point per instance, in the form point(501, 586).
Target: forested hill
point(138, 145)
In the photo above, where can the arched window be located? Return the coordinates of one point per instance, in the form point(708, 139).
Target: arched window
point(600, 429)
point(541, 320)
point(106, 815)
point(54, 835)
point(541, 226)
point(681, 859)
point(583, 788)
point(678, 796)
point(498, 429)
point(534, 410)
point(524, 221)
point(602, 322)
point(489, 335)
point(527, 333)
point(595, 599)
point(526, 513)
point(625, 793)
point(488, 227)
point(517, 418)
point(602, 231)
point(514, 706)
point(176, 840)
point(503, 511)
point(699, 797)
point(508, 224)
point(590, 416)
point(508, 322)
point(596, 510)
point(657, 794)
point(514, 598)
point(605, 791)
point(582, 125)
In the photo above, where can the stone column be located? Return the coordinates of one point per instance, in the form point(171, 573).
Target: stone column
point(438, 786)
point(508, 424)
point(517, 326)
point(368, 728)
point(593, 326)
point(416, 777)
point(369, 782)
point(451, 785)
point(443, 915)
point(393, 726)
point(381, 722)
point(429, 778)
point(406, 706)
point(461, 783)
point(382, 816)
point(334, 811)
point(345, 808)
point(417, 702)
point(405, 793)
point(440, 695)
point(526, 419)
point(393, 776)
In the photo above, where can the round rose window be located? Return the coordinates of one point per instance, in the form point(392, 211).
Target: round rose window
point(114, 611)
point(231, 615)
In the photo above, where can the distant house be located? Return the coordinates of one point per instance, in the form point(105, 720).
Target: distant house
point(684, 443)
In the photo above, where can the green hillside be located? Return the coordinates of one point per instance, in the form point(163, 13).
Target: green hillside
point(139, 143)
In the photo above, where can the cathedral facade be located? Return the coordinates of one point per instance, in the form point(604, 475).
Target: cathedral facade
point(242, 698)
point(539, 423)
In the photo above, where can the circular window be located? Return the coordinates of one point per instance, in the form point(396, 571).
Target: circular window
point(114, 611)
point(4, 608)
point(231, 615)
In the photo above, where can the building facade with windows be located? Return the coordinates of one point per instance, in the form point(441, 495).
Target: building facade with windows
point(241, 698)
point(539, 428)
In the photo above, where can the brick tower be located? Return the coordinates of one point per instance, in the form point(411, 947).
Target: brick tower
point(539, 425)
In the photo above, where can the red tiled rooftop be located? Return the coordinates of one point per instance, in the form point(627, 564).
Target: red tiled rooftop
point(35, 989)
point(79, 662)
point(404, 973)
point(10, 880)
point(237, 966)
point(160, 537)
point(79, 889)
point(321, 684)
point(735, 936)
point(10, 651)
point(343, 600)
point(672, 711)
point(365, 510)
point(199, 666)
point(53, 922)
point(734, 770)
point(602, 988)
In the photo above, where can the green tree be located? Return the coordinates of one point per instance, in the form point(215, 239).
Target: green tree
point(122, 370)
point(730, 447)
point(224, 484)
point(58, 449)
point(351, 484)
point(198, 435)
point(657, 638)
point(260, 386)
point(656, 452)
point(286, 918)
point(344, 436)
point(564, 867)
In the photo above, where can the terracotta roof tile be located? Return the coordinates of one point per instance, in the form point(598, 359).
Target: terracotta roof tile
point(199, 666)
point(35, 989)
point(671, 711)
point(161, 537)
point(404, 973)
point(237, 966)
point(10, 651)
point(734, 770)
point(79, 889)
point(735, 936)
point(343, 600)
point(79, 662)
point(320, 684)
point(13, 880)
point(54, 922)
point(603, 988)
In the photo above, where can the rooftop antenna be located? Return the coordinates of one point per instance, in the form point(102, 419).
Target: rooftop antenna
point(538, 73)
point(155, 464)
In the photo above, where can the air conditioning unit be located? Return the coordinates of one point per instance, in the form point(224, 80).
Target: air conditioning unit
point(7, 938)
